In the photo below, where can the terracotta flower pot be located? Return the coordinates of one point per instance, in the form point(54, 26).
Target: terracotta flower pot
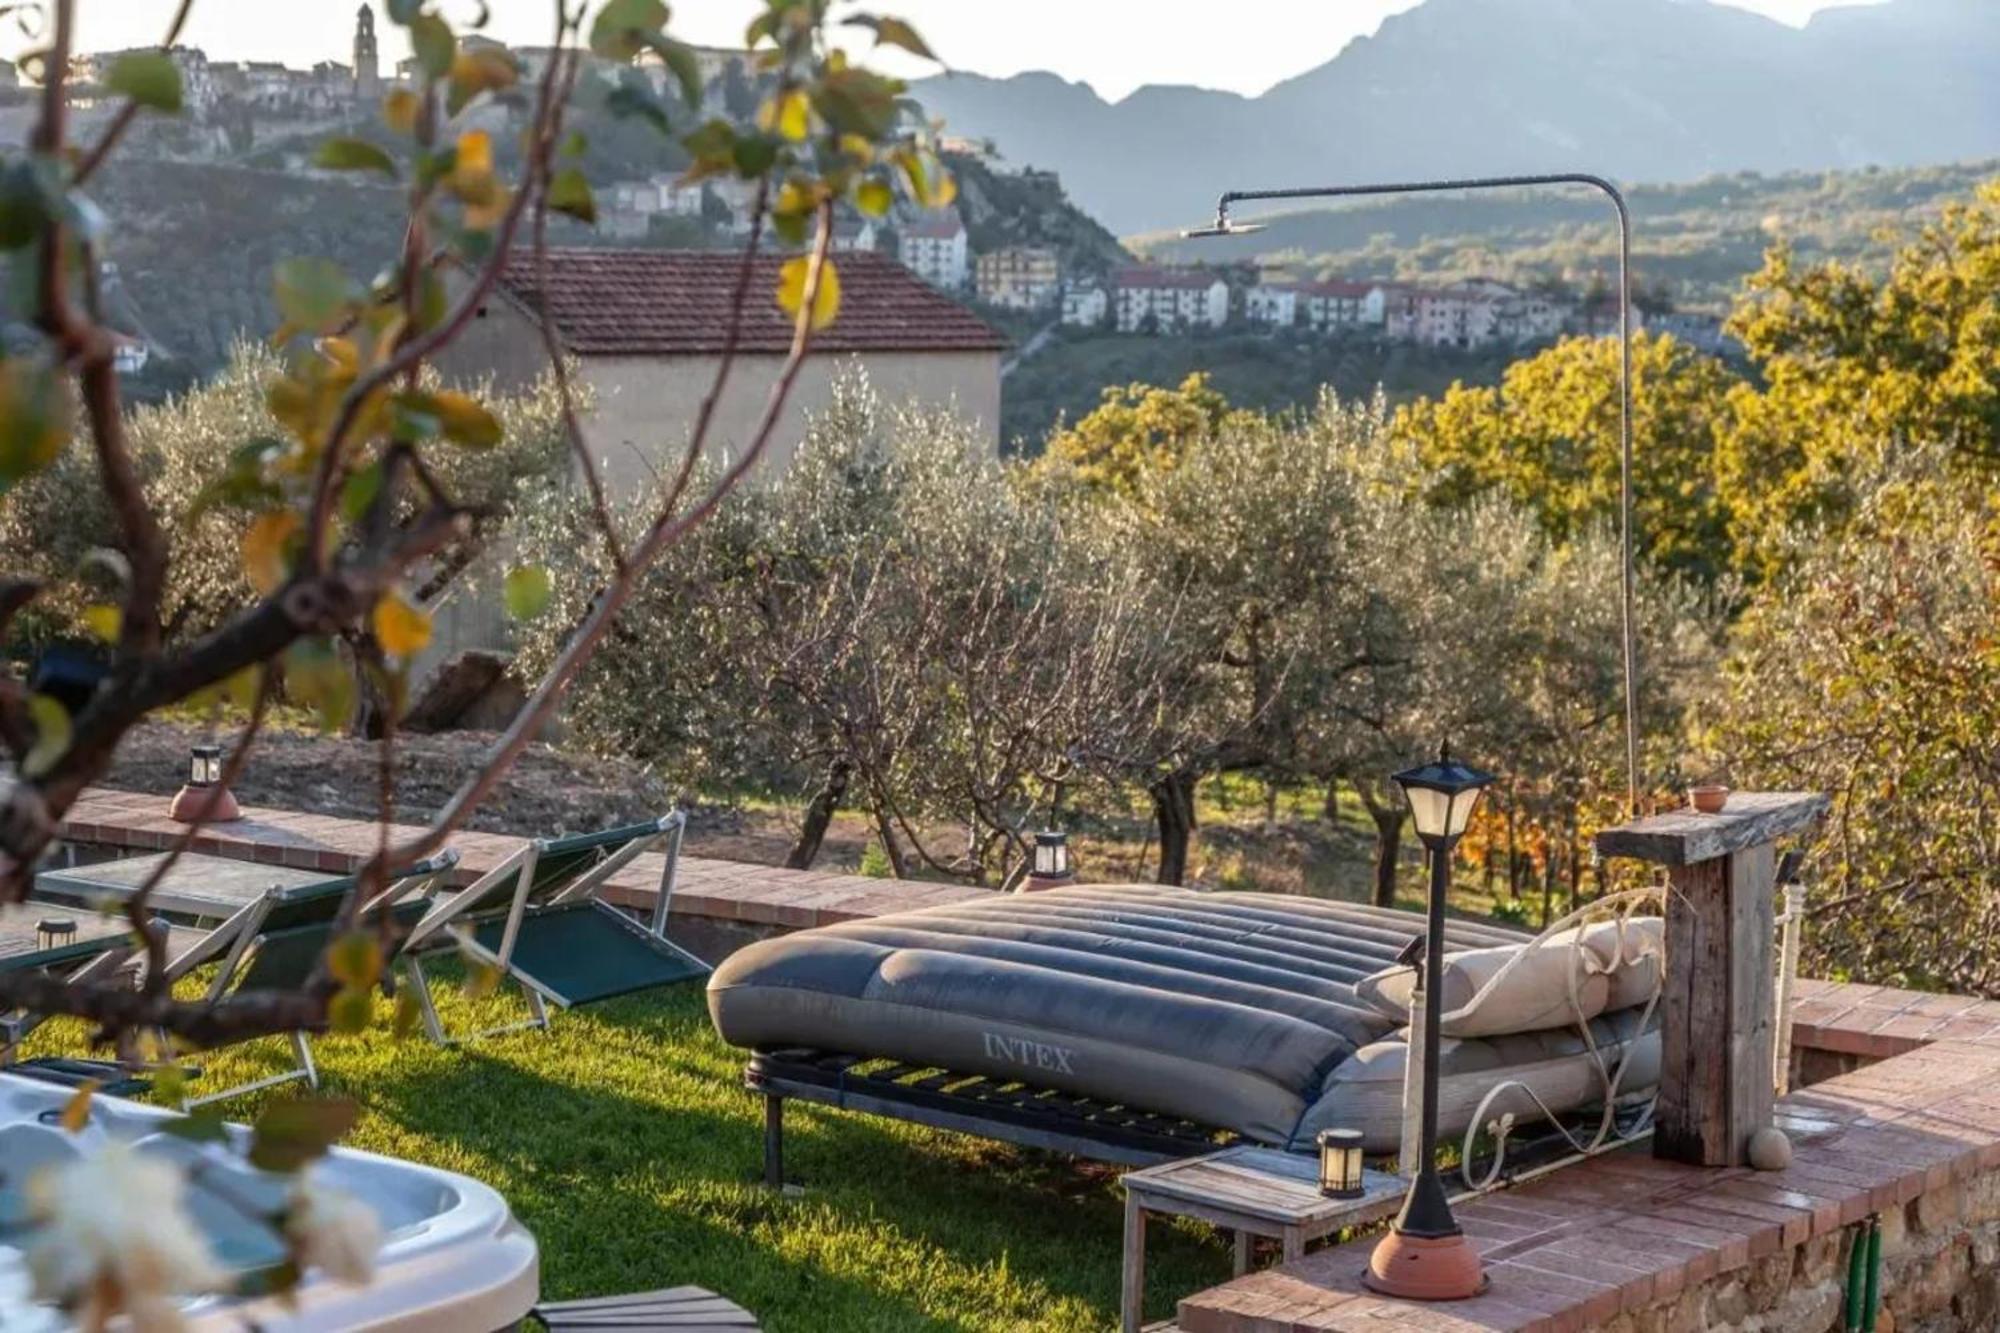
point(1709, 798)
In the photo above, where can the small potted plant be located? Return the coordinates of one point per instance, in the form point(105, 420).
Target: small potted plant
point(1709, 795)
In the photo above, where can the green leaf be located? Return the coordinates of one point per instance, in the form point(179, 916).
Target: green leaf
point(292, 1133)
point(622, 27)
point(359, 491)
point(149, 78)
point(874, 198)
point(52, 735)
point(355, 959)
point(351, 1010)
point(893, 32)
point(435, 47)
point(24, 208)
point(354, 155)
point(318, 679)
point(242, 481)
point(34, 420)
point(680, 61)
point(200, 1127)
point(404, 11)
point(312, 292)
point(527, 591)
point(569, 192)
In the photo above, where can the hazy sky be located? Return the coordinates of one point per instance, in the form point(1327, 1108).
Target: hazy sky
point(1113, 44)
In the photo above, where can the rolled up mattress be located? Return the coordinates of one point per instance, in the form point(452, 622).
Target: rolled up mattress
point(1231, 1009)
point(1551, 1068)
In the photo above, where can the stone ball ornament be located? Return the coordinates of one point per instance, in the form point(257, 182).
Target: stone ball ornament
point(1769, 1149)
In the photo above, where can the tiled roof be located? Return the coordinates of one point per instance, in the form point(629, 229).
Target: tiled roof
point(1151, 276)
point(609, 302)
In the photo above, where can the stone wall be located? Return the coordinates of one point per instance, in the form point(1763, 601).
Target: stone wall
point(1940, 1274)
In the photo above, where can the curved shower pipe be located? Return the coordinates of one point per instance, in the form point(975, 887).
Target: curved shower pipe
point(1223, 226)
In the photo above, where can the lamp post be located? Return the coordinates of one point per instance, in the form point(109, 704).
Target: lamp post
point(1224, 226)
point(1425, 1256)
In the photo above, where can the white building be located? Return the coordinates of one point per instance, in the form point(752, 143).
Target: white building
point(1168, 300)
point(935, 249)
point(856, 236)
point(1084, 305)
point(1020, 277)
point(1274, 304)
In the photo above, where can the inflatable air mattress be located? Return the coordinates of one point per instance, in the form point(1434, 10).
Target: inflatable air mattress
point(1236, 1010)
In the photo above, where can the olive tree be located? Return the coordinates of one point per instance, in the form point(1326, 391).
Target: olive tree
point(346, 509)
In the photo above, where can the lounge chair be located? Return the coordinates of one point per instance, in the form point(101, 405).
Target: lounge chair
point(539, 919)
point(275, 942)
point(90, 946)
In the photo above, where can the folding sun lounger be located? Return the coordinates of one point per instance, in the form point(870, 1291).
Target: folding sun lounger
point(275, 942)
point(539, 919)
point(39, 937)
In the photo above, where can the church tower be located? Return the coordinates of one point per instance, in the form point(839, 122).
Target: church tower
point(367, 69)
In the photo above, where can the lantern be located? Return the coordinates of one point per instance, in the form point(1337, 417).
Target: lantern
point(1340, 1163)
point(52, 931)
point(205, 766)
point(1442, 796)
point(1425, 1256)
point(1051, 855)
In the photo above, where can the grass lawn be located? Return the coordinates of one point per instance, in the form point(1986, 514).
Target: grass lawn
point(624, 1140)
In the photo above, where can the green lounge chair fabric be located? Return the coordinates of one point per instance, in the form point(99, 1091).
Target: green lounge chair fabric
point(579, 953)
point(276, 942)
point(538, 918)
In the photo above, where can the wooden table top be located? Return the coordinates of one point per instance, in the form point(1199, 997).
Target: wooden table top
point(1265, 1183)
point(211, 887)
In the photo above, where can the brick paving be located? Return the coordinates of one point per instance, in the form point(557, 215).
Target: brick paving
point(1623, 1231)
point(754, 895)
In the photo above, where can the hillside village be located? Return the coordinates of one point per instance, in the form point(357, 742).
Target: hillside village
point(1012, 246)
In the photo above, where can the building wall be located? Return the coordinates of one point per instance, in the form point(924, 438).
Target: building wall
point(643, 407)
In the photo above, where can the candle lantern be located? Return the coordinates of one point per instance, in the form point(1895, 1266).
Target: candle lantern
point(1048, 862)
point(205, 766)
point(1340, 1163)
point(202, 795)
point(53, 931)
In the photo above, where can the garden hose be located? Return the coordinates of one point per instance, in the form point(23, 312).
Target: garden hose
point(1864, 1276)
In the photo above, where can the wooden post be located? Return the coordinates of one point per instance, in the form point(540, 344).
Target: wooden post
point(1716, 1020)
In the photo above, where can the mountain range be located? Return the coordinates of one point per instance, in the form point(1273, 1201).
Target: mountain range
point(1658, 90)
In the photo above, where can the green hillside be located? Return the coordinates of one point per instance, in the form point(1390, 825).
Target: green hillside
point(1692, 243)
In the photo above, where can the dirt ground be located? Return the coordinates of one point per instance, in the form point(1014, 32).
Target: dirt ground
point(548, 793)
point(551, 792)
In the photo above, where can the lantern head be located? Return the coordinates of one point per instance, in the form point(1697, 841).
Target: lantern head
point(204, 766)
point(1442, 795)
point(1340, 1163)
point(1052, 855)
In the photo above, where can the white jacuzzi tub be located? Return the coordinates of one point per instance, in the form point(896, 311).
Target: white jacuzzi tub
point(453, 1258)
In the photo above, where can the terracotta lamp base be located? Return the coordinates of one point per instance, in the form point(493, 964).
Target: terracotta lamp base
point(1425, 1268)
point(210, 805)
point(1040, 883)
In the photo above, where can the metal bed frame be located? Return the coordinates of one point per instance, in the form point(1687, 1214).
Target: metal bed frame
point(993, 1108)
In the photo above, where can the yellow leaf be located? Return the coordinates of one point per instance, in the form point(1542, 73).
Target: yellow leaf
point(402, 630)
point(399, 110)
point(486, 215)
point(465, 420)
point(858, 147)
point(792, 290)
point(52, 732)
point(76, 1111)
point(873, 198)
point(264, 562)
point(475, 154)
point(790, 114)
point(104, 621)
